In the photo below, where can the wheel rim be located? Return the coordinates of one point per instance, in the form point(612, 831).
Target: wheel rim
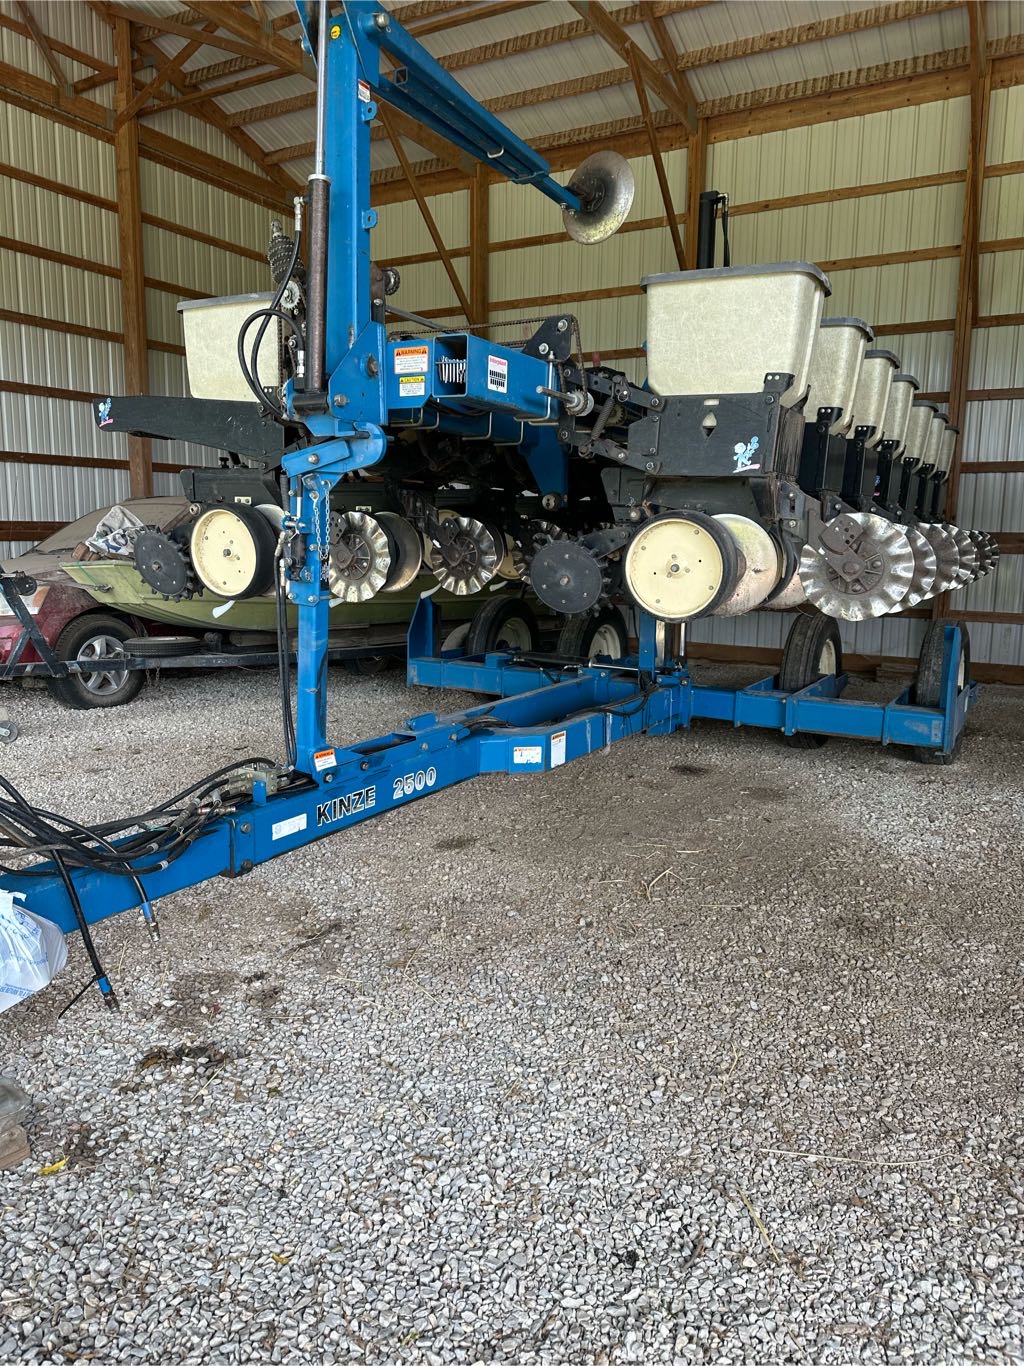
point(101, 682)
point(674, 568)
point(827, 658)
point(514, 634)
point(223, 552)
point(607, 641)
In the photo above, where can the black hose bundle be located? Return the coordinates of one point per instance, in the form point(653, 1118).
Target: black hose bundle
point(249, 367)
point(147, 842)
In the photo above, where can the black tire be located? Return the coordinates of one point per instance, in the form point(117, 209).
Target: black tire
point(577, 637)
point(488, 629)
point(162, 647)
point(811, 637)
point(76, 690)
point(927, 689)
point(727, 548)
point(264, 541)
point(367, 666)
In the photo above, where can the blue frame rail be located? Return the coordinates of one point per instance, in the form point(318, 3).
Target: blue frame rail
point(544, 716)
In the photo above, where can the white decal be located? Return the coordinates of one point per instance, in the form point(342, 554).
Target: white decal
point(497, 374)
point(291, 826)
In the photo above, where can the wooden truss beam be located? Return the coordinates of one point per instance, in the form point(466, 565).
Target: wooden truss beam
point(428, 217)
point(282, 52)
point(212, 114)
point(659, 163)
point(44, 45)
point(170, 68)
point(607, 28)
point(289, 58)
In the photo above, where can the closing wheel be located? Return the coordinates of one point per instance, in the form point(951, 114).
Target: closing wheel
point(813, 650)
point(681, 566)
point(594, 633)
point(9, 731)
point(928, 683)
point(502, 624)
point(232, 551)
point(406, 551)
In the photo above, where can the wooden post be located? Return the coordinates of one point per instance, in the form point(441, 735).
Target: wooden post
point(659, 164)
point(129, 236)
point(479, 247)
point(967, 288)
point(696, 168)
point(427, 216)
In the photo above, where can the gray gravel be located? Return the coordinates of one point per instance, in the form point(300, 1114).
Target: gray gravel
point(481, 1081)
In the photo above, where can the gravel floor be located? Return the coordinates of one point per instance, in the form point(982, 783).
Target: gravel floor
point(706, 1051)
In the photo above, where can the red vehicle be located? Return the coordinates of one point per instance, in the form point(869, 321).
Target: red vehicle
point(72, 623)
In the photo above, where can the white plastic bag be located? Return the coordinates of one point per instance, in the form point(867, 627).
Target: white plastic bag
point(116, 532)
point(32, 951)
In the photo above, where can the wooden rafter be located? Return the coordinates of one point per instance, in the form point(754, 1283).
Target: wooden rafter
point(212, 113)
point(670, 57)
point(659, 164)
point(187, 96)
point(428, 217)
point(276, 51)
point(857, 21)
point(612, 32)
point(289, 60)
point(274, 109)
point(541, 39)
point(42, 42)
point(170, 68)
point(469, 14)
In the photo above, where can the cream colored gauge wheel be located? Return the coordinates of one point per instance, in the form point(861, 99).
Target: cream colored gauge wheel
point(406, 551)
point(763, 558)
point(232, 550)
point(680, 566)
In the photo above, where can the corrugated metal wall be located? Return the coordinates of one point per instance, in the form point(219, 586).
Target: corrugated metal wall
point(40, 291)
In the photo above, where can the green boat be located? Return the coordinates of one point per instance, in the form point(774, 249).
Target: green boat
point(117, 584)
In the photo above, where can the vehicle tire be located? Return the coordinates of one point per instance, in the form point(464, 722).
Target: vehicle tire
point(162, 647)
point(89, 637)
point(927, 689)
point(503, 623)
point(366, 666)
point(594, 633)
point(813, 650)
point(9, 731)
